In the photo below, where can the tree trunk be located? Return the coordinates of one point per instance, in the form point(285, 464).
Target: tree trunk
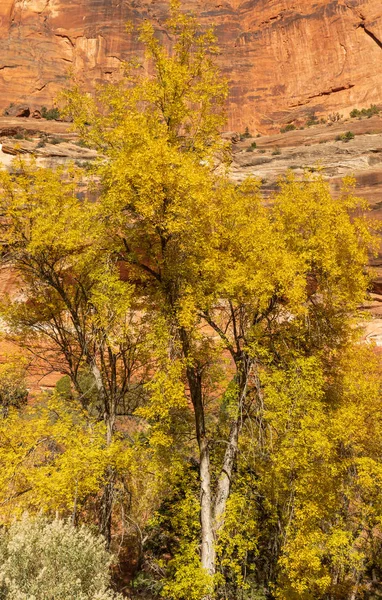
point(225, 479)
point(105, 516)
point(194, 378)
point(208, 556)
point(224, 483)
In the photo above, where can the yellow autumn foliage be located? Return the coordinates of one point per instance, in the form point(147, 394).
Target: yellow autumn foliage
point(52, 458)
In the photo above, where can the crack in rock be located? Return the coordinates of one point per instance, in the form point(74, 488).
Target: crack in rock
point(65, 37)
point(370, 34)
point(9, 67)
point(334, 90)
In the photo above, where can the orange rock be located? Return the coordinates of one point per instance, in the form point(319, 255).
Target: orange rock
point(285, 59)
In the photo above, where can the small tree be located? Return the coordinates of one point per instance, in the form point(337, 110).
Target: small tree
point(76, 315)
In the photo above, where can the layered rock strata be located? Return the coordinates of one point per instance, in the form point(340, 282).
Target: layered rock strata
point(285, 59)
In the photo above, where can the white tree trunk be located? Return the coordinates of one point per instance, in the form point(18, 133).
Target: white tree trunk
point(208, 556)
point(224, 482)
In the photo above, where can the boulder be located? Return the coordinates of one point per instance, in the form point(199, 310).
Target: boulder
point(231, 136)
point(17, 110)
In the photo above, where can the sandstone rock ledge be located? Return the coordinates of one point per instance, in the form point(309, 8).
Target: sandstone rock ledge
point(284, 59)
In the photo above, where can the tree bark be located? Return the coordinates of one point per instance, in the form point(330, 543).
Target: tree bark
point(225, 479)
point(208, 555)
point(105, 516)
point(194, 378)
point(224, 482)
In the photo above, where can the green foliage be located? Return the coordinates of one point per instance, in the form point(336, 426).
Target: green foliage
point(246, 135)
point(173, 546)
point(55, 141)
point(365, 112)
point(51, 114)
point(345, 137)
point(81, 144)
point(312, 120)
point(64, 387)
point(53, 561)
point(289, 127)
point(13, 389)
point(190, 580)
point(276, 151)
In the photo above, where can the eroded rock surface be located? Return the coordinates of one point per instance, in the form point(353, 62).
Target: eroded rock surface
point(284, 58)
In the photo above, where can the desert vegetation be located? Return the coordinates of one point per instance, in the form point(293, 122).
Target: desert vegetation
point(345, 137)
point(365, 112)
point(216, 432)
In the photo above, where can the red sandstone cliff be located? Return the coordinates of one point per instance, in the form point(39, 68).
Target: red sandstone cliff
point(284, 58)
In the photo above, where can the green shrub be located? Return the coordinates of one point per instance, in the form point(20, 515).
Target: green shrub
point(289, 127)
point(13, 387)
point(51, 114)
point(245, 135)
point(83, 164)
point(345, 137)
point(55, 141)
point(44, 560)
point(252, 147)
point(312, 120)
point(365, 112)
point(276, 151)
point(64, 387)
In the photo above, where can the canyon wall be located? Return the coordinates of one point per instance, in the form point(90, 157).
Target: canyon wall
point(285, 59)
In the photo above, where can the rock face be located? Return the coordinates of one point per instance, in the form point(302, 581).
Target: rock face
point(285, 59)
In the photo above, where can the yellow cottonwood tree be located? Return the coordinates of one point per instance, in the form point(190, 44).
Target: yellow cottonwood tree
point(74, 313)
point(241, 313)
point(233, 281)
